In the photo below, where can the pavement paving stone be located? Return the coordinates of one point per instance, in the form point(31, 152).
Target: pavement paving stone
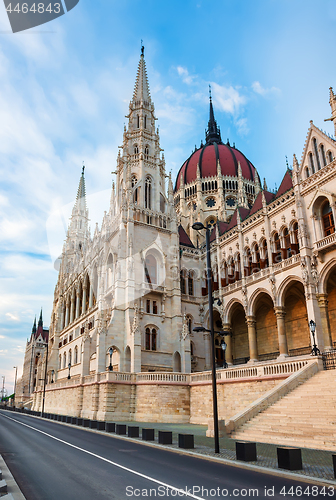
point(316, 463)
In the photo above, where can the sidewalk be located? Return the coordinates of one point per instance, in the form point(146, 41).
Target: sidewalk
point(316, 463)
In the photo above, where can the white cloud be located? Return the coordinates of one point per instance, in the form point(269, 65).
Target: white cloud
point(184, 73)
point(13, 317)
point(258, 89)
point(228, 99)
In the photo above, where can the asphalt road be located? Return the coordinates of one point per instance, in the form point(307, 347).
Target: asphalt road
point(51, 461)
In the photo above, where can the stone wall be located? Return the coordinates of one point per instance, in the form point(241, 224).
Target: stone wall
point(162, 403)
point(232, 397)
point(151, 400)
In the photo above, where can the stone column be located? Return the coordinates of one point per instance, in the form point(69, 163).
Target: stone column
point(72, 308)
point(62, 316)
point(280, 314)
point(322, 300)
point(84, 300)
point(228, 340)
point(77, 302)
point(252, 338)
point(91, 296)
point(207, 337)
point(67, 313)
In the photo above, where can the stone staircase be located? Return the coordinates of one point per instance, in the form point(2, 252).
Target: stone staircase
point(306, 417)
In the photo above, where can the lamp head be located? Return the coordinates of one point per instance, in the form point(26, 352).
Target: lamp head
point(312, 326)
point(198, 226)
point(223, 345)
point(110, 351)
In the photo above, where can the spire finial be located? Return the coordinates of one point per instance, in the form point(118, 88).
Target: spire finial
point(142, 48)
point(212, 134)
point(83, 168)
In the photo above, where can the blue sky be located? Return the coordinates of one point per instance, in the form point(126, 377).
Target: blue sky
point(64, 94)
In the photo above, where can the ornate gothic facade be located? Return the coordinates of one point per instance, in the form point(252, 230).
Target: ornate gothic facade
point(138, 285)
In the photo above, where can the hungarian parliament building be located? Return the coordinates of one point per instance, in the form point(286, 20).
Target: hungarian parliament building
point(129, 297)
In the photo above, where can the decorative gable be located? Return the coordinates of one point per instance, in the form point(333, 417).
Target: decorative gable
point(319, 151)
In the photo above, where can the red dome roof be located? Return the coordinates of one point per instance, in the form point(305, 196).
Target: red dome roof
point(207, 157)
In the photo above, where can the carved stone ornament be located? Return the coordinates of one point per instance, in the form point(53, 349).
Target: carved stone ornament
point(136, 324)
point(314, 271)
point(273, 287)
point(185, 331)
point(201, 313)
point(304, 271)
point(245, 301)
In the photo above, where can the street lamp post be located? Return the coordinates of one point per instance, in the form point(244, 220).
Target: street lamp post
point(315, 350)
point(15, 383)
point(110, 353)
point(69, 366)
point(45, 379)
point(198, 226)
point(52, 376)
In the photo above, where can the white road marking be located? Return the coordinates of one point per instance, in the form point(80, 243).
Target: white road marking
point(185, 493)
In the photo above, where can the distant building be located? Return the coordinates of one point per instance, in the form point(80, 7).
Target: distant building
point(35, 348)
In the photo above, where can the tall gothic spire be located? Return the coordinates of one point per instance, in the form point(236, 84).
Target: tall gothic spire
point(212, 134)
point(81, 193)
point(40, 323)
point(34, 327)
point(141, 88)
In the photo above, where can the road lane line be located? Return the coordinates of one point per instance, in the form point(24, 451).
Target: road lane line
point(185, 493)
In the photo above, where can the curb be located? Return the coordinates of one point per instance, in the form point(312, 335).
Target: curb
point(14, 491)
point(242, 465)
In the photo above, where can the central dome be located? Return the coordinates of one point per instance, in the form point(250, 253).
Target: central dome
point(214, 152)
point(208, 156)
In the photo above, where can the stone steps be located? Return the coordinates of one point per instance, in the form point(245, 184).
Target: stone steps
point(306, 417)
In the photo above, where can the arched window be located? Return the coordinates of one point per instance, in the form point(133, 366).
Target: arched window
point(148, 193)
point(307, 172)
point(324, 160)
point(135, 190)
point(192, 348)
point(70, 357)
point(145, 121)
point(60, 362)
point(224, 276)
point(231, 270)
point(311, 162)
point(151, 339)
point(316, 154)
point(264, 254)
point(136, 151)
point(183, 277)
point(191, 283)
point(328, 219)
point(288, 249)
point(330, 156)
point(76, 355)
point(295, 239)
point(146, 151)
point(255, 259)
point(248, 262)
point(151, 269)
point(138, 121)
point(64, 360)
point(277, 257)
